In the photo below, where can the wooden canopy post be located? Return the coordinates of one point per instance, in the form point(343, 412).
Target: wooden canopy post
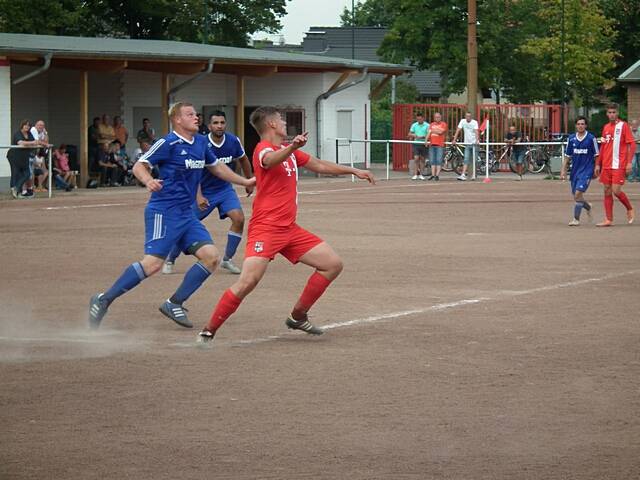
point(164, 91)
point(240, 107)
point(84, 128)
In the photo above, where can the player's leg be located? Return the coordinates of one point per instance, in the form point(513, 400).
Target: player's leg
point(129, 279)
point(230, 207)
point(253, 269)
point(606, 179)
point(616, 189)
point(195, 241)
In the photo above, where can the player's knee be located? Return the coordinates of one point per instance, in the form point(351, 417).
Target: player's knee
point(151, 265)
point(245, 285)
point(210, 259)
point(335, 266)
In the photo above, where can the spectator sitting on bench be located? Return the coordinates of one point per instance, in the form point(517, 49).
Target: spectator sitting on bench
point(108, 166)
point(62, 166)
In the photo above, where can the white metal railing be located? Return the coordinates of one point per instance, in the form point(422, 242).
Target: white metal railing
point(348, 142)
point(49, 147)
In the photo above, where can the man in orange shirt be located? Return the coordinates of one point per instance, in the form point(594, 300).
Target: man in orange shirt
point(435, 140)
point(614, 163)
point(122, 135)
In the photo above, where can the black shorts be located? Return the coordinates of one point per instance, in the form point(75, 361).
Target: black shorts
point(419, 150)
point(38, 171)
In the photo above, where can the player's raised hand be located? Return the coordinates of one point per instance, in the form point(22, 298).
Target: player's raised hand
point(365, 175)
point(154, 185)
point(300, 141)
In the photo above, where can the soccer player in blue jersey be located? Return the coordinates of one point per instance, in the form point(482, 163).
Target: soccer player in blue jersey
point(581, 150)
point(217, 193)
point(181, 157)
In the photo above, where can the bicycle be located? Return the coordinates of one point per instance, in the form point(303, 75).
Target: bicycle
point(453, 159)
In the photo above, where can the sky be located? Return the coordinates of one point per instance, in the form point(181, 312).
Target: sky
point(302, 14)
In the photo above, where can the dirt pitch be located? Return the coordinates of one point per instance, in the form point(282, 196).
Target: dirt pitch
point(473, 336)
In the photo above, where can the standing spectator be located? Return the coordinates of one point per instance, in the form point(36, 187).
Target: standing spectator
point(40, 171)
point(106, 133)
point(471, 138)
point(418, 131)
point(94, 147)
point(513, 138)
point(62, 167)
point(203, 128)
point(147, 133)
point(635, 172)
point(19, 159)
point(122, 134)
point(436, 137)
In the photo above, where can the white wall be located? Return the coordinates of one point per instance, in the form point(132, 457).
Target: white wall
point(5, 119)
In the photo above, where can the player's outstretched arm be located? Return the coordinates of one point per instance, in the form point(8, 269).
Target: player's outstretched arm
point(225, 173)
point(328, 168)
point(276, 157)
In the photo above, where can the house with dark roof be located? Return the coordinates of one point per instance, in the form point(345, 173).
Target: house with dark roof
point(66, 81)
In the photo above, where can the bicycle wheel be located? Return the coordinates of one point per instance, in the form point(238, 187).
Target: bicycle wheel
point(447, 161)
point(457, 162)
point(536, 160)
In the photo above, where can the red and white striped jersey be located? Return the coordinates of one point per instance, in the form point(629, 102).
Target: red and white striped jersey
point(615, 138)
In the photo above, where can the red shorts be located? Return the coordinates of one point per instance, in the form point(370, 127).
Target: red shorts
point(290, 242)
point(613, 176)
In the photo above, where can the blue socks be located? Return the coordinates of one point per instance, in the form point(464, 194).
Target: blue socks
point(131, 277)
point(577, 209)
point(233, 241)
point(194, 277)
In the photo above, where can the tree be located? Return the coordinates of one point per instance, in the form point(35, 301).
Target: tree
point(223, 22)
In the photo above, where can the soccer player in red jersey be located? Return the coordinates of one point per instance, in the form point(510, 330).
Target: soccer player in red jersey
point(273, 228)
point(614, 163)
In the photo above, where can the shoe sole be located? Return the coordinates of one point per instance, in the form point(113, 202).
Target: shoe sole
point(186, 323)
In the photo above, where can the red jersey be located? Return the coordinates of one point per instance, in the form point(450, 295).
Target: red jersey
point(613, 151)
point(437, 139)
point(276, 202)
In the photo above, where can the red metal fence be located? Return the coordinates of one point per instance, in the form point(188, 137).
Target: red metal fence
point(537, 122)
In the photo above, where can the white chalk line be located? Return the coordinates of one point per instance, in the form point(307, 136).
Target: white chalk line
point(358, 321)
point(97, 205)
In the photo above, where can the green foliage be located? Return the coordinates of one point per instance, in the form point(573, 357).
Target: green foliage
point(223, 22)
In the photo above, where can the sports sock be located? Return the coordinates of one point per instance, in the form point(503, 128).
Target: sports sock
point(131, 277)
point(194, 277)
point(316, 285)
point(226, 307)
point(233, 241)
point(608, 206)
point(175, 253)
point(577, 210)
point(586, 205)
point(624, 200)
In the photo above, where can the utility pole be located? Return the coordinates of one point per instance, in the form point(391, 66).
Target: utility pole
point(353, 30)
point(472, 58)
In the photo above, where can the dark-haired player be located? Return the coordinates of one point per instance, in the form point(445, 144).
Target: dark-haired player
point(581, 150)
point(169, 219)
point(217, 193)
point(614, 163)
point(273, 228)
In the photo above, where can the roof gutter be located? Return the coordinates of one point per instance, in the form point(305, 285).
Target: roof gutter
point(327, 94)
point(187, 82)
point(37, 71)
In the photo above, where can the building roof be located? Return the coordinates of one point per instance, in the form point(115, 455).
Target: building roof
point(631, 74)
point(112, 54)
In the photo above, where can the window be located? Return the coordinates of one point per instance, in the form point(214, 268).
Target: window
point(295, 121)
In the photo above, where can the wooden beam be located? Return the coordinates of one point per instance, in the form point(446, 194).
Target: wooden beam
point(340, 80)
point(247, 70)
point(177, 68)
point(240, 108)
point(376, 91)
point(164, 92)
point(86, 64)
point(84, 128)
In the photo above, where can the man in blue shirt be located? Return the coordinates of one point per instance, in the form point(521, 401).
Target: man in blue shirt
point(217, 193)
point(181, 157)
point(581, 150)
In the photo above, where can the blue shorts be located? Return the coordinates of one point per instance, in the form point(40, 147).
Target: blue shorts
point(580, 184)
point(164, 230)
point(224, 200)
point(436, 154)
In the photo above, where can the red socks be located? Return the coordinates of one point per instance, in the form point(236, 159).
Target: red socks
point(314, 289)
point(608, 206)
point(226, 306)
point(624, 200)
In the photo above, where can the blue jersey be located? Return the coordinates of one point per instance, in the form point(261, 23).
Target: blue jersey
point(226, 152)
point(180, 163)
point(582, 153)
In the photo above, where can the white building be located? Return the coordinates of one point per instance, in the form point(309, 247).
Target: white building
point(66, 81)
